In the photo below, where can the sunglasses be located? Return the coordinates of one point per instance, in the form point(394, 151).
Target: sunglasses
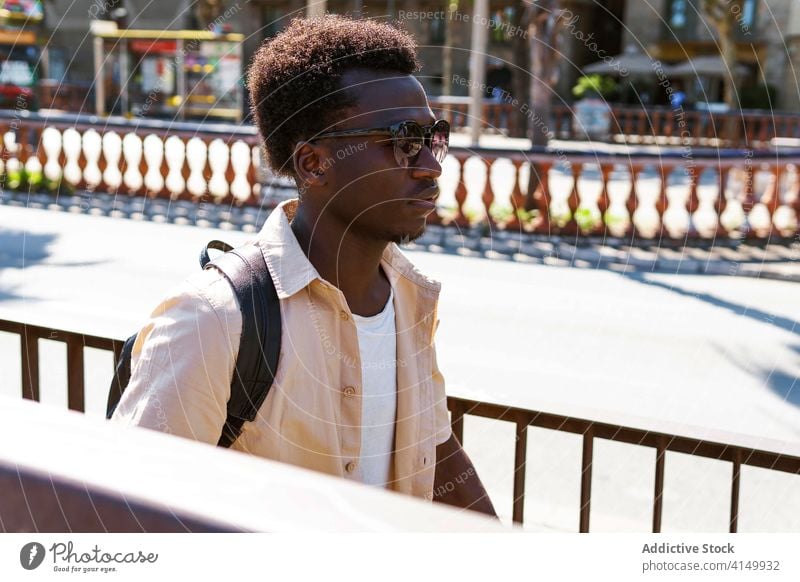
point(408, 137)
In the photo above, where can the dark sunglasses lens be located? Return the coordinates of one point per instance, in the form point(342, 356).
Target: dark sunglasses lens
point(440, 139)
point(407, 143)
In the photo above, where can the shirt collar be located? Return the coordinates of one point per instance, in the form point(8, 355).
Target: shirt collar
point(288, 265)
point(291, 270)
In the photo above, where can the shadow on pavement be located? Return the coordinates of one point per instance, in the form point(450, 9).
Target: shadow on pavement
point(784, 323)
point(782, 382)
point(22, 250)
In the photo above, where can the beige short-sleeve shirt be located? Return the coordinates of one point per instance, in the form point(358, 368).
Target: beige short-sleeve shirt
point(184, 357)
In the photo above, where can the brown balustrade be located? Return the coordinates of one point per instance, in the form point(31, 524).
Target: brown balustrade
point(570, 168)
point(215, 161)
point(706, 443)
point(221, 164)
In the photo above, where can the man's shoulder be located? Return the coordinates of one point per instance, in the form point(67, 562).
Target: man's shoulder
point(210, 286)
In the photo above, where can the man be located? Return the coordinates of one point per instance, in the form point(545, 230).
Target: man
point(357, 392)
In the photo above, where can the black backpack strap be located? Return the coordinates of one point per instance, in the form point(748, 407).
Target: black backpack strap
point(122, 375)
point(260, 343)
point(215, 245)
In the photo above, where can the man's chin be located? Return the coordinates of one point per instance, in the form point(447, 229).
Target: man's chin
point(406, 238)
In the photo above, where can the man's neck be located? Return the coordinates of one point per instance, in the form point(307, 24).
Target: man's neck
point(349, 262)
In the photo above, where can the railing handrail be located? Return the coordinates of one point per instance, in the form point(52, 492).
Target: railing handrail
point(148, 481)
point(624, 107)
point(675, 154)
point(82, 120)
point(681, 438)
point(669, 109)
point(715, 439)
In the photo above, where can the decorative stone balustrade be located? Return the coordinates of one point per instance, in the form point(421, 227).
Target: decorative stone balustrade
point(725, 194)
point(683, 194)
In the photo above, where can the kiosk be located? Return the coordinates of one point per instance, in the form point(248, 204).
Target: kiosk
point(168, 74)
point(20, 53)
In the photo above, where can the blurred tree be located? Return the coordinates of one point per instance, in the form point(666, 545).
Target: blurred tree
point(724, 16)
point(543, 21)
point(447, 48)
point(537, 53)
point(520, 79)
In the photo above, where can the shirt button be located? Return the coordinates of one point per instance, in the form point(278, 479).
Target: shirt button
point(350, 467)
point(349, 391)
point(343, 315)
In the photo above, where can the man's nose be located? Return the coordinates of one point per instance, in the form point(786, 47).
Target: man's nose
point(426, 166)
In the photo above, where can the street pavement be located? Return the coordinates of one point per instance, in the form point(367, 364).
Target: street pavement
point(708, 353)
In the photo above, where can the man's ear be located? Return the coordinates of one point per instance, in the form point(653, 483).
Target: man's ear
point(308, 164)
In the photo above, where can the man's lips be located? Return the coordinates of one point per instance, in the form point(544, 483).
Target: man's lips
point(426, 199)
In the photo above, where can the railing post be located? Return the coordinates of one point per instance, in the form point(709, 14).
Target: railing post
point(748, 200)
point(772, 196)
point(735, 483)
point(29, 346)
point(541, 196)
point(520, 457)
point(603, 201)
point(75, 386)
point(574, 200)
point(662, 201)
point(488, 194)
point(722, 201)
point(658, 497)
point(692, 201)
point(586, 478)
point(460, 218)
point(457, 421)
point(517, 200)
point(633, 199)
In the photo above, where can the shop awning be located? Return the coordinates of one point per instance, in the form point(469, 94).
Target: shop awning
point(627, 63)
point(705, 66)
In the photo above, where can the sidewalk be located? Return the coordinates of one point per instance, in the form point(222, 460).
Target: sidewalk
point(720, 257)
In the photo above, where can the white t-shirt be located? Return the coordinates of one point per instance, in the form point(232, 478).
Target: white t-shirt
point(377, 345)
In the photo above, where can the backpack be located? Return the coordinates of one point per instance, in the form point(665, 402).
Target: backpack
point(259, 346)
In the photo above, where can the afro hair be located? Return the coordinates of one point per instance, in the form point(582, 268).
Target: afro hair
point(294, 78)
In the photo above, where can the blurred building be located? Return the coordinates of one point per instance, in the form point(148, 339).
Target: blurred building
point(670, 30)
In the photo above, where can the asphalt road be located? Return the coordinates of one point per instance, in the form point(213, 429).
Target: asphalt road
point(713, 353)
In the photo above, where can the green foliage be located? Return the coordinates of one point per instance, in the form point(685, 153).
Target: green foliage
point(504, 213)
point(612, 220)
point(594, 85)
point(21, 179)
point(586, 219)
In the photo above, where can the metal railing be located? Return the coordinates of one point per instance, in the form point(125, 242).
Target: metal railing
point(522, 418)
point(661, 124)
